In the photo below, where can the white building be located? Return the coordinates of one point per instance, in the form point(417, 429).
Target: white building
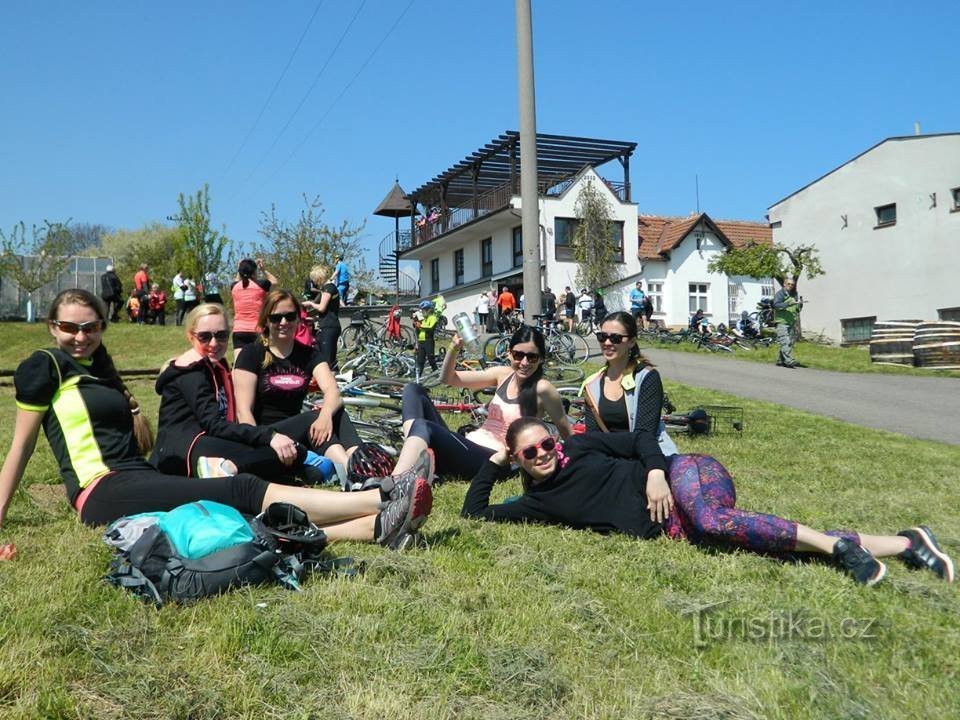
point(469, 239)
point(887, 226)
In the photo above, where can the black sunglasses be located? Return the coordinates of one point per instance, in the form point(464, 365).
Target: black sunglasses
point(519, 355)
point(615, 338)
point(530, 451)
point(72, 328)
point(205, 336)
point(275, 318)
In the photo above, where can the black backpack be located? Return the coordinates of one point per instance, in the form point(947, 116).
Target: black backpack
point(206, 548)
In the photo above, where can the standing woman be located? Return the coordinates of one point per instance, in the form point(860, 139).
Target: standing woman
point(627, 394)
point(247, 292)
point(98, 437)
point(483, 309)
point(178, 287)
point(617, 482)
point(326, 302)
point(271, 378)
point(520, 389)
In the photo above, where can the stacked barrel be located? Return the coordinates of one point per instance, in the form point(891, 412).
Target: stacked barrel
point(936, 345)
point(892, 342)
point(926, 344)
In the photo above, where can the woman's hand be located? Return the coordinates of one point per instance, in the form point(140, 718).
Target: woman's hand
point(8, 551)
point(659, 498)
point(500, 457)
point(456, 343)
point(321, 429)
point(284, 447)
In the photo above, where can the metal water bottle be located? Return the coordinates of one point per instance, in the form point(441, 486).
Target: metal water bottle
point(467, 331)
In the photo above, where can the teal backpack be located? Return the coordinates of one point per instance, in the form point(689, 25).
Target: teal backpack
point(206, 548)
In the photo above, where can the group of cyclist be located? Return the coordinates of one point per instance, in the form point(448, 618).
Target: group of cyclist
point(239, 437)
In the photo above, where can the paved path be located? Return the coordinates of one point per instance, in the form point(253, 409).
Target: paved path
point(921, 407)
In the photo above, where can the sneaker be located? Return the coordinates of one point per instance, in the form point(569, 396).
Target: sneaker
point(215, 467)
point(858, 562)
point(403, 541)
point(396, 486)
point(924, 552)
point(406, 514)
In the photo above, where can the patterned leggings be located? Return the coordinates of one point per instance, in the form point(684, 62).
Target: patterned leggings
point(704, 510)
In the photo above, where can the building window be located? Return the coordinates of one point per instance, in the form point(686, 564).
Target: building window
point(698, 297)
point(733, 294)
point(435, 275)
point(886, 215)
point(949, 314)
point(486, 257)
point(776, 224)
point(565, 229)
point(655, 293)
point(955, 194)
point(458, 267)
point(517, 246)
point(766, 288)
point(857, 330)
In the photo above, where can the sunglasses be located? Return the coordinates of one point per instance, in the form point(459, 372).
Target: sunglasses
point(205, 336)
point(530, 451)
point(519, 355)
point(275, 318)
point(615, 338)
point(72, 328)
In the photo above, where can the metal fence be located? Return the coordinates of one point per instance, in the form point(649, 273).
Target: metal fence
point(81, 272)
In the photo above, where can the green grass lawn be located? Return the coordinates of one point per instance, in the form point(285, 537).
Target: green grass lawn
point(496, 621)
point(822, 357)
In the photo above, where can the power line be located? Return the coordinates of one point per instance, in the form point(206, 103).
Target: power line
point(307, 94)
point(342, 92)
point(272, 92)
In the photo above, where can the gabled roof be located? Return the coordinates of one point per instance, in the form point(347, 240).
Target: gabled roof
point(898, 138)
point(659, 234)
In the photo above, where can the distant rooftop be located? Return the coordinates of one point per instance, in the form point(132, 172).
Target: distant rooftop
point(659, 234)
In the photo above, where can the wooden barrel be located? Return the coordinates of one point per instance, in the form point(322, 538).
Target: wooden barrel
point(892, 342)
point(936, 345)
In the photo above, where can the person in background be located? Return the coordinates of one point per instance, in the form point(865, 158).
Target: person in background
point(341, 278)
point(439, 308)
point(569, 307)
point(248, 292)
point(585, 303)
point(111, 292)
point(787, 307)
point(133, 307)
point(493, 317)
point(523, 303)
point(325, 301)
point(506, 304)
point(638, 301)
point(178, 286)
point(548, 303)
point(483, 309)
point(698, 322)
point(189, 294)
point(599, 306)
point(141, 283)
point(425, 325)
point(157, 302)
point(211, 289)
point(648, 311)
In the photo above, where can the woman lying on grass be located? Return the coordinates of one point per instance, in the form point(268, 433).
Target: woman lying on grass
point(99, 438)
point(520, 390)
point(617, 482)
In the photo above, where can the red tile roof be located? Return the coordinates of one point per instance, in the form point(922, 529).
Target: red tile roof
point(660, 234)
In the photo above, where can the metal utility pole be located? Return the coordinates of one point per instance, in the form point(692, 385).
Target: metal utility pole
point(529, 195)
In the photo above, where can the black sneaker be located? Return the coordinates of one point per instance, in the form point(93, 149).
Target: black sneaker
point(406, 514)
point(858, 562)
point(924, 552)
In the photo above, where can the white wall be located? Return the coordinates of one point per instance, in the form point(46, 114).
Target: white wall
point(905, 271)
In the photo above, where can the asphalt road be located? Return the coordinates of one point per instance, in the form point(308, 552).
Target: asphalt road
point(922, 407)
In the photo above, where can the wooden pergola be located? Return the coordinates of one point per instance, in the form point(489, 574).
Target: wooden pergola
point(486, 179)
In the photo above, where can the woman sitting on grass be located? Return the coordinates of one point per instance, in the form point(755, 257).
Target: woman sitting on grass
point(520, 390)
point(99, 438)
point(627, 394)
point(199, 421)
point(271, 378)
point(617, 482)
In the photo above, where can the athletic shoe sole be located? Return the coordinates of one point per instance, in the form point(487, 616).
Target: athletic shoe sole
point(932, 546)
point(881, 574)
point(420, 505)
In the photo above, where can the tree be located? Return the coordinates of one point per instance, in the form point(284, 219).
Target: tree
point(758, 260)
point(88, 236)
point(291, 250)
point(155, 244)
point(593, 243)
point(200, 248)
point(34, 262)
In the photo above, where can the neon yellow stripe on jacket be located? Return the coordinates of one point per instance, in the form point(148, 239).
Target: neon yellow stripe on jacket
point(74, 419)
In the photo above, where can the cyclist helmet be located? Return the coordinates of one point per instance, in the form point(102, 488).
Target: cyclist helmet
point(368, 461)
point(424, 304)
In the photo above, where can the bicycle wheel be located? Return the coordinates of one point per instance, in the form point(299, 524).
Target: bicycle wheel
point(379, 388)
point(563, 374)
point(571, 349)
point(574, 405)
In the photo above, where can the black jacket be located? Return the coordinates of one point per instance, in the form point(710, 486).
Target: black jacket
point(189, 407)
point(110, 286)
point(602, 488)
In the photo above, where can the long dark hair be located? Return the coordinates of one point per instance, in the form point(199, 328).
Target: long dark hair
point(513, 432)
point(102, 364)
point(246, 270)
point(528, 389)
point(630, 325)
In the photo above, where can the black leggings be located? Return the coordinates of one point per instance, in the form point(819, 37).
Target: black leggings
point(454, 454)
point(326, 343)
point(129, 492)
point(426, 350)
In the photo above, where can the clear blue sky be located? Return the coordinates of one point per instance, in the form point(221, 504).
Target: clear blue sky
point(110, 109)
